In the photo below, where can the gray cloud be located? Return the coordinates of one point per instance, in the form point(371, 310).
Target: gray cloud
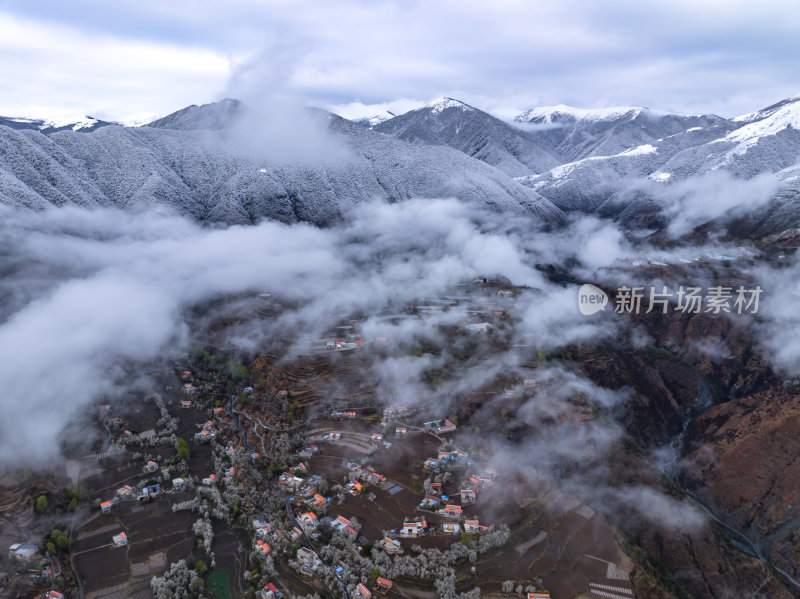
point(681, 56)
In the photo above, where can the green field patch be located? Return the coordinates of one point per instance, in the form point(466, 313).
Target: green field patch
point(217, 584)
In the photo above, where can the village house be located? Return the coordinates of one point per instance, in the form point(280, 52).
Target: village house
point(384, 585)
point(451, 528)
point(54, 595)
point(120, 540)
point(261, 527)
point(318, 500)
point(308, 559)
point(538, 595)
point(271, 592)
point(295, 534)
point(400, 432)
point(413, 529)
point(210, 480)
point(485, 479)
point(451, 510)
point(149, 492)
point(186, 403)
point(377, 438)
point(431, 464)
point(179, 484)
point(125, 492)
point(429, 502)
point(335, 436)
point(308, 451)
point(467, 496)
point(362, 592)
point(22, 552)
point(309, 521)
point(390, 546)
point(340, 523)
point(473, 526)
point(151, 466)
point(262, 546)
point(290, 481)
point(106, 506)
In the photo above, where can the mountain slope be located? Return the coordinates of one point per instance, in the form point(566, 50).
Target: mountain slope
point(621, 184)
point(181, 163)
point(452, 123)
point(578, 133)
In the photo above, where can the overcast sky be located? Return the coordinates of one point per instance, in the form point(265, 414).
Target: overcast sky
point(134, 60)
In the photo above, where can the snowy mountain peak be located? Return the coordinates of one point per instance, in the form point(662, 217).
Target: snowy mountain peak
point(560, 112)
point(443, 103)
point(375, 119)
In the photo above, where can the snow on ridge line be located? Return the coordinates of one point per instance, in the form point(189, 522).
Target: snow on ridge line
point(440, 104)
point(592, 114)
point(786, 116)
point(764, 112)
point(76, 124)
point(599, 114)
point(643, 149)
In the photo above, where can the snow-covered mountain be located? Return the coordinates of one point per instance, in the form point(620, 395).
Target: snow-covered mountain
point(214, 116)
point(183, 162)
point(764, 141)
point(83, 124)
point(449, 122)
point(576, 133)
point(550, 161)
point(375, 119)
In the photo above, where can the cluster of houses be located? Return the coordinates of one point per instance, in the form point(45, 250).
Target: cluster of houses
point(383, 586)
point(363, 476)
point(393, 413)
point(141, 494)
point(445, 505)
point(346, 415)
point(208, 431)
point(446, 458)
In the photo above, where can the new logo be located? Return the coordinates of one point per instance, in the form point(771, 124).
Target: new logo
point(591, 299)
